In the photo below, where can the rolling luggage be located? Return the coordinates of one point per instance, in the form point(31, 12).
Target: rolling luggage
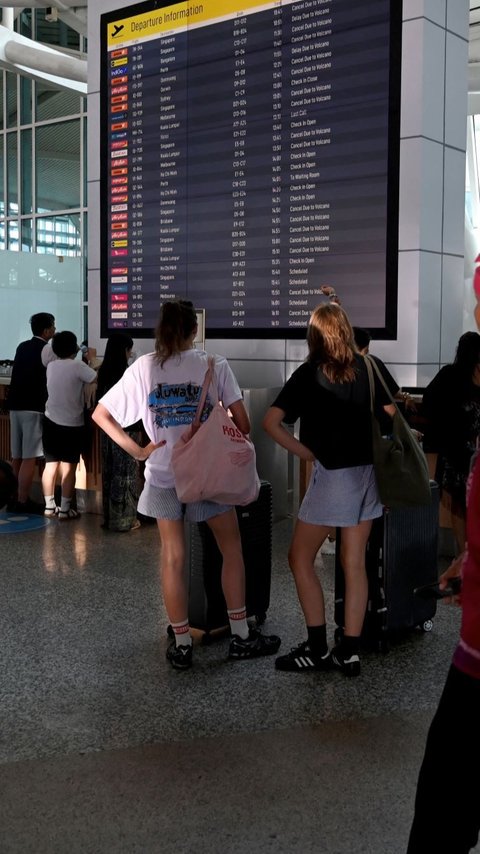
point(402, 554)
point(207, 609)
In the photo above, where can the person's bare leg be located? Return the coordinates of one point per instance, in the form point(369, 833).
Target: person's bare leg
point(175, 591)
point(174, 577)
point(227, 535)
point(247, 641)
point(49, 478)
point(68, 471)
point(352, 556)
point(312, 654)
point(306, 541)
point(25, 473)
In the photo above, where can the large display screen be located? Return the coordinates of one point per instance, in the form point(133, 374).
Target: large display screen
point(249, 156)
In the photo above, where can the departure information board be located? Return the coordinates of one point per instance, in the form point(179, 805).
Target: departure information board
point(249, 157)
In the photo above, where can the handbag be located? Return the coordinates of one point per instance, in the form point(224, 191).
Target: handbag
point(213, 460)
point(400, 465)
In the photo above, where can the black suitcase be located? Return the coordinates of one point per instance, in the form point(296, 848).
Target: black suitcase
point(207, 609)
point(402, 554)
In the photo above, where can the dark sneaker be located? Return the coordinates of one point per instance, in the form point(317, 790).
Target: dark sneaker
point(254, 646)
point(29, 507)
point(301, 660)
point(180, 657)
point(349, 666)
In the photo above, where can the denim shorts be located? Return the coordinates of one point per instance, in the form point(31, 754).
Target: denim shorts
point(340, 498)
point(164, 504)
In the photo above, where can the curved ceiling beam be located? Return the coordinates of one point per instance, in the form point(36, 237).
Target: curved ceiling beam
point(43, 4)
point(40, 62)
point(71, 12)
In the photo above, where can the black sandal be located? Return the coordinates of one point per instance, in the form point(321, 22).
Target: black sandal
point(66, 515)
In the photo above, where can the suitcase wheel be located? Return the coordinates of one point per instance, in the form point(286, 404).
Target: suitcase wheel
point(170, 632)
point(427, 626)
point(383, 645)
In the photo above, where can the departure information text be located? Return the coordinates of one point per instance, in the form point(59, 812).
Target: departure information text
point(249, 158)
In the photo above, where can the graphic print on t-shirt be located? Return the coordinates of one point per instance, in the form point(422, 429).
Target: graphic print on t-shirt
point(176, 404)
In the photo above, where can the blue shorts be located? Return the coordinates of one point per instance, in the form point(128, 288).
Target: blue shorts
point(340, 498)
point(164, 504)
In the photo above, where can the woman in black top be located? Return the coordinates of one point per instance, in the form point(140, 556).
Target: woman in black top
point(451, 403)
point(330, 394)
point(119, 469)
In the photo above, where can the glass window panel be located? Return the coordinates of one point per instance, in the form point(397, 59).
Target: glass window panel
point(12, 176)
point(2, 191)
point(24, 23)
point(27, 235)
point(59, 235)
point(52, 103)
point(25, 101)
point(11, 99)
point(1, 98)
point(85, 169)
point(26, 171)
point(2, 235)
point(55, 32)
point(57, 151)
point(85, 322)
point(12, 240)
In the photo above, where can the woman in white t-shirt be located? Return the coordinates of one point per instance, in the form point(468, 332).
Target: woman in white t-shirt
point(163, 389)
point(64, 424)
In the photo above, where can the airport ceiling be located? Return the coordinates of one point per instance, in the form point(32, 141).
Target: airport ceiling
point(74, 13)
point(474, 40)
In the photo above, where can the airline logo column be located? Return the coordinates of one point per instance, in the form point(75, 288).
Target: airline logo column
point(118, 104)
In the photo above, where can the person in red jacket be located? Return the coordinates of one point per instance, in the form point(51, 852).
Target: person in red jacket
point(447, 804)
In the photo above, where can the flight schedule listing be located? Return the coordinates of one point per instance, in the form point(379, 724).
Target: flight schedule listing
point(247, 155)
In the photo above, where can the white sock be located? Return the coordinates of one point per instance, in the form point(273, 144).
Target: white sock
point(238, 622)
point(50, 502)
point(65, 505)
point(182, 634)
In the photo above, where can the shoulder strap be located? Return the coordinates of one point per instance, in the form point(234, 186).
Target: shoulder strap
point(206, 385)
point(371, 383)
point(371, 363)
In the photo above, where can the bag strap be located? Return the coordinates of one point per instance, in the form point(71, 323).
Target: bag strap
point(371, 363)
point(371, 384)
point(206, 385)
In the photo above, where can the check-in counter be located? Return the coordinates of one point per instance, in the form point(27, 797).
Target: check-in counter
point(273, 463)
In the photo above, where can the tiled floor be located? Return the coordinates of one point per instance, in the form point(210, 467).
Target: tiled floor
point(105, 749)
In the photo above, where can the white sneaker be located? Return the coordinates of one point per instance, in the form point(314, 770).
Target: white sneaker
point(328, 547)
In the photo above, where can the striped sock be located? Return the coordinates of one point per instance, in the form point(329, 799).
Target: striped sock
point(182, 634)
point(238, 622)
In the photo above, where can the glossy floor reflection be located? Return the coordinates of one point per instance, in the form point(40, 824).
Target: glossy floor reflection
point(105, 749)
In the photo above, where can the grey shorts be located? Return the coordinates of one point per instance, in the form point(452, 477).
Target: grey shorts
point(26, 434)
point(340, 498)
point(164, 504)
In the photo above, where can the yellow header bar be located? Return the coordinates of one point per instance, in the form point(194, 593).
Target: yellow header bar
point(176, 16)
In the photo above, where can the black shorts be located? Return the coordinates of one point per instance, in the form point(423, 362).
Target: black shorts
point(62, 444)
